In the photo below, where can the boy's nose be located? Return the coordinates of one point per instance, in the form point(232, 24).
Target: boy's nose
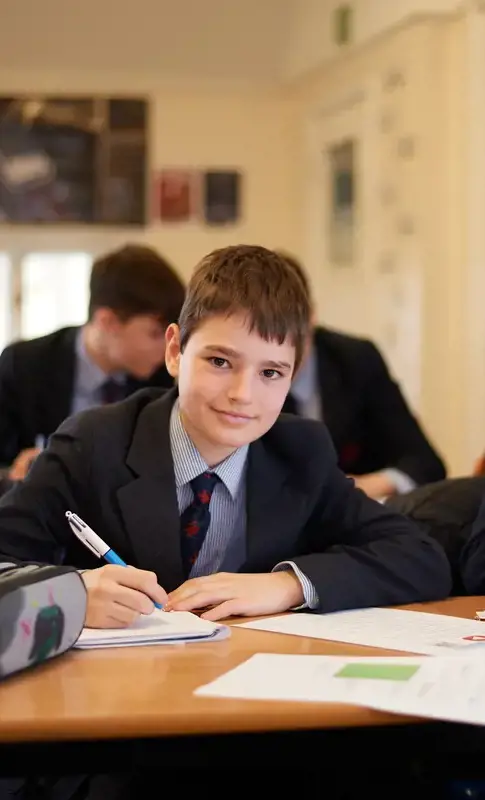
point(240, 390)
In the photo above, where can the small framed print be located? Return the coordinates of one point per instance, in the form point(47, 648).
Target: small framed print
point(176, 195)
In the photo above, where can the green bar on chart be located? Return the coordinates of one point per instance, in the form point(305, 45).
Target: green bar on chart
point(378, 671)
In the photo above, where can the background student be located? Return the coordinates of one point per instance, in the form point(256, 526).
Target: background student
point(344, 381)
point(134, 295)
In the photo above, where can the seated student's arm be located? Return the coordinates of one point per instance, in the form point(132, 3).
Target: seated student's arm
point(411, 459)
point(472, 558)
point(32, 528)
point(372, 556)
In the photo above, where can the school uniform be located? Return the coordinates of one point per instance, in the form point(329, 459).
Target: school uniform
point(280, 503)
point(45, 380)
point(346, 383)
point(472, 556)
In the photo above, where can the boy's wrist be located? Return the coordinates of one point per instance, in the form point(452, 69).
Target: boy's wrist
point(293, 587)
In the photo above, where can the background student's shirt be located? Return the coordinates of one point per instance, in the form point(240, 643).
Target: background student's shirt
point(89, 379)
point(305, 391)
point(224, 547)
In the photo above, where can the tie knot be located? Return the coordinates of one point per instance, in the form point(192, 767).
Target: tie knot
point(203, 486)
point(112, 391)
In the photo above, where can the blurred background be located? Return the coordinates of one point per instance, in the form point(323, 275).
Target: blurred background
point(351, 135)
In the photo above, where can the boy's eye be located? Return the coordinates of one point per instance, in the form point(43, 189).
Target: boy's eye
point(272, 374)
point(217, 361)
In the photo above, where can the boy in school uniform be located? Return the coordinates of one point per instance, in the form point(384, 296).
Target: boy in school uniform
point(214, 499)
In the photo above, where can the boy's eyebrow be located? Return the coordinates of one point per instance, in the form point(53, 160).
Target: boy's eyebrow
point(278, 365)
point(228, 351)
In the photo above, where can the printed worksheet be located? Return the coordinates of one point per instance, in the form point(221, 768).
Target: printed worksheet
point(388, 628)
point(447, 688)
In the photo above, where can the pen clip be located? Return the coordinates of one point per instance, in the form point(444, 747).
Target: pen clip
point(79, 535)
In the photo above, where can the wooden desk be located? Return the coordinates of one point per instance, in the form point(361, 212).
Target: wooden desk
point(146, 692)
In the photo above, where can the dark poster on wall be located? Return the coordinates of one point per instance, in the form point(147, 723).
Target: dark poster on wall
point(73, 160)
point(222, 201)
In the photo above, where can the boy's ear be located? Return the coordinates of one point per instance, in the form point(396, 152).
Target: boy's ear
point(172, 349)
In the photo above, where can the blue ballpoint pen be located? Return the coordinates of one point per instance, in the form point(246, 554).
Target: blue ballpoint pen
point(93, 542)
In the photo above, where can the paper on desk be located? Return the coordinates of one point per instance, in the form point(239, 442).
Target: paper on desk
point(159, 627)
point(445, 688)
point(392, 629)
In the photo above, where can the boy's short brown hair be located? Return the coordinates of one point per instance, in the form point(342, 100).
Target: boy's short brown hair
point(136, 280)
point(297, 266)
point(255, 282)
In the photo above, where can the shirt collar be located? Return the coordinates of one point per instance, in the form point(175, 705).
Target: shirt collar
point(90, 376)
point(188, 463)
point(305, 381)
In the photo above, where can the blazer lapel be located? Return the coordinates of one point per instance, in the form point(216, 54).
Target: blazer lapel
point(59, 383)
point(148, 504)
point(274, 507)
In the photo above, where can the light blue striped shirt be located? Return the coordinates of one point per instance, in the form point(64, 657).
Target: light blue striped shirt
point(224, 547)
point(305, 389)
point(89, 379)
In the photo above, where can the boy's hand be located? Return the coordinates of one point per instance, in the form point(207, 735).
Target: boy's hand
point(118, 595)
point(374, 484)
point(238, 594)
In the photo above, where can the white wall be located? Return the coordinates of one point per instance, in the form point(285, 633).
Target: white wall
point(245, 129)
point(417, 294)
point(312, 43)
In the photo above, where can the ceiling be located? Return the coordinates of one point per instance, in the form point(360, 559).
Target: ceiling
point(243, 40)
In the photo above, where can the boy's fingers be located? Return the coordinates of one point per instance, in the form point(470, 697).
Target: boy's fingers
point(140, 579)
point(129, 598)
point(229, 608)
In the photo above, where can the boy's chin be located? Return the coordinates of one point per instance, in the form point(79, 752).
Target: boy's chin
point(223, 437)
point(233, 440)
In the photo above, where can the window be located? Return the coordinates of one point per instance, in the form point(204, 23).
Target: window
point(55, 291)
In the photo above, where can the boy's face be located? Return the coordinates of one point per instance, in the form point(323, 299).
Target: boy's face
point(232, 383)
point(136, 345)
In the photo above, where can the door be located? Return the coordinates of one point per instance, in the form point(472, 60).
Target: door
point(367, 279)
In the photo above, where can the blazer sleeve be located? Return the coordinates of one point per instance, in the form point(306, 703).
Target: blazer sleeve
point(406, 447)
point(472, 558)
point(359, 553)
point(33, 527)
point(10, 409)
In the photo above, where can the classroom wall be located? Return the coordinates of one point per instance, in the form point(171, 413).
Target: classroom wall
point(313, 41)
point(407, 287)
point(192, 126)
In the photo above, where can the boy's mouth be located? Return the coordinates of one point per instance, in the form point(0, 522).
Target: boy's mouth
point(234, 417)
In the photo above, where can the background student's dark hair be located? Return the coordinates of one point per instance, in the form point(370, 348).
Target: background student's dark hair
point(254, 281)
point(136, 280)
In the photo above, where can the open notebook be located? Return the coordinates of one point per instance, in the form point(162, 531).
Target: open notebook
point(159, 627)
